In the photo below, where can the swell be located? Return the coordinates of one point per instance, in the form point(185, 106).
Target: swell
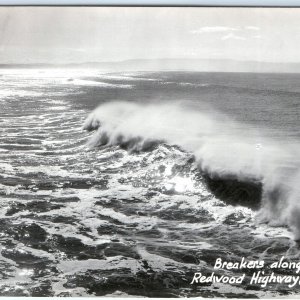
point(239, 167)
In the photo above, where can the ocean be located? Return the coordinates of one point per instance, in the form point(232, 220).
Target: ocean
point(117, 184)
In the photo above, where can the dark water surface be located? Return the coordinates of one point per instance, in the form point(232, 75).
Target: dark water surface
point(76, 221)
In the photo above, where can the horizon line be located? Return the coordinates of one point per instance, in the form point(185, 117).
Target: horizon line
point(147, 59)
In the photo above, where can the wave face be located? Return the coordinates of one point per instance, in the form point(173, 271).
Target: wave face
point(223, 150)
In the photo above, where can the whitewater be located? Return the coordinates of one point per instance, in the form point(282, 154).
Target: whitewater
point(221, 149)
point(117, 184)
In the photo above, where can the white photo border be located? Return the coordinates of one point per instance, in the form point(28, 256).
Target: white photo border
point(219, 3)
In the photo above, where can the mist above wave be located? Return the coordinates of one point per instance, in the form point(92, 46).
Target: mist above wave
point(222, 149)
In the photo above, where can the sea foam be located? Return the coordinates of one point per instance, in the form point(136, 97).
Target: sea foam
point(222, 149)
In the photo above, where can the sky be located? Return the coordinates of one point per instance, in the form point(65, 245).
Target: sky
point(102, 34)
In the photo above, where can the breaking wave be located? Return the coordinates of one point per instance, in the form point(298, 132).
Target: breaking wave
point(233, 158)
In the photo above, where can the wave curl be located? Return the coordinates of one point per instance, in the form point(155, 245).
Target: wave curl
point(224, 150)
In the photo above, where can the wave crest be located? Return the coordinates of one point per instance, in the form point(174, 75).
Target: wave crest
point(224, 150)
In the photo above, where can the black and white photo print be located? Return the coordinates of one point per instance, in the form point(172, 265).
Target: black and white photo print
point(150, 152)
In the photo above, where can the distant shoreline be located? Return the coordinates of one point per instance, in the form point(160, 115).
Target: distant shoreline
point(158, 65)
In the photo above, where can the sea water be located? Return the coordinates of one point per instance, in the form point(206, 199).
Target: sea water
point(129, 183)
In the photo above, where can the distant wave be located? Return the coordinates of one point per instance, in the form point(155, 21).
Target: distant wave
point(223, 150)
point(186, 84)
